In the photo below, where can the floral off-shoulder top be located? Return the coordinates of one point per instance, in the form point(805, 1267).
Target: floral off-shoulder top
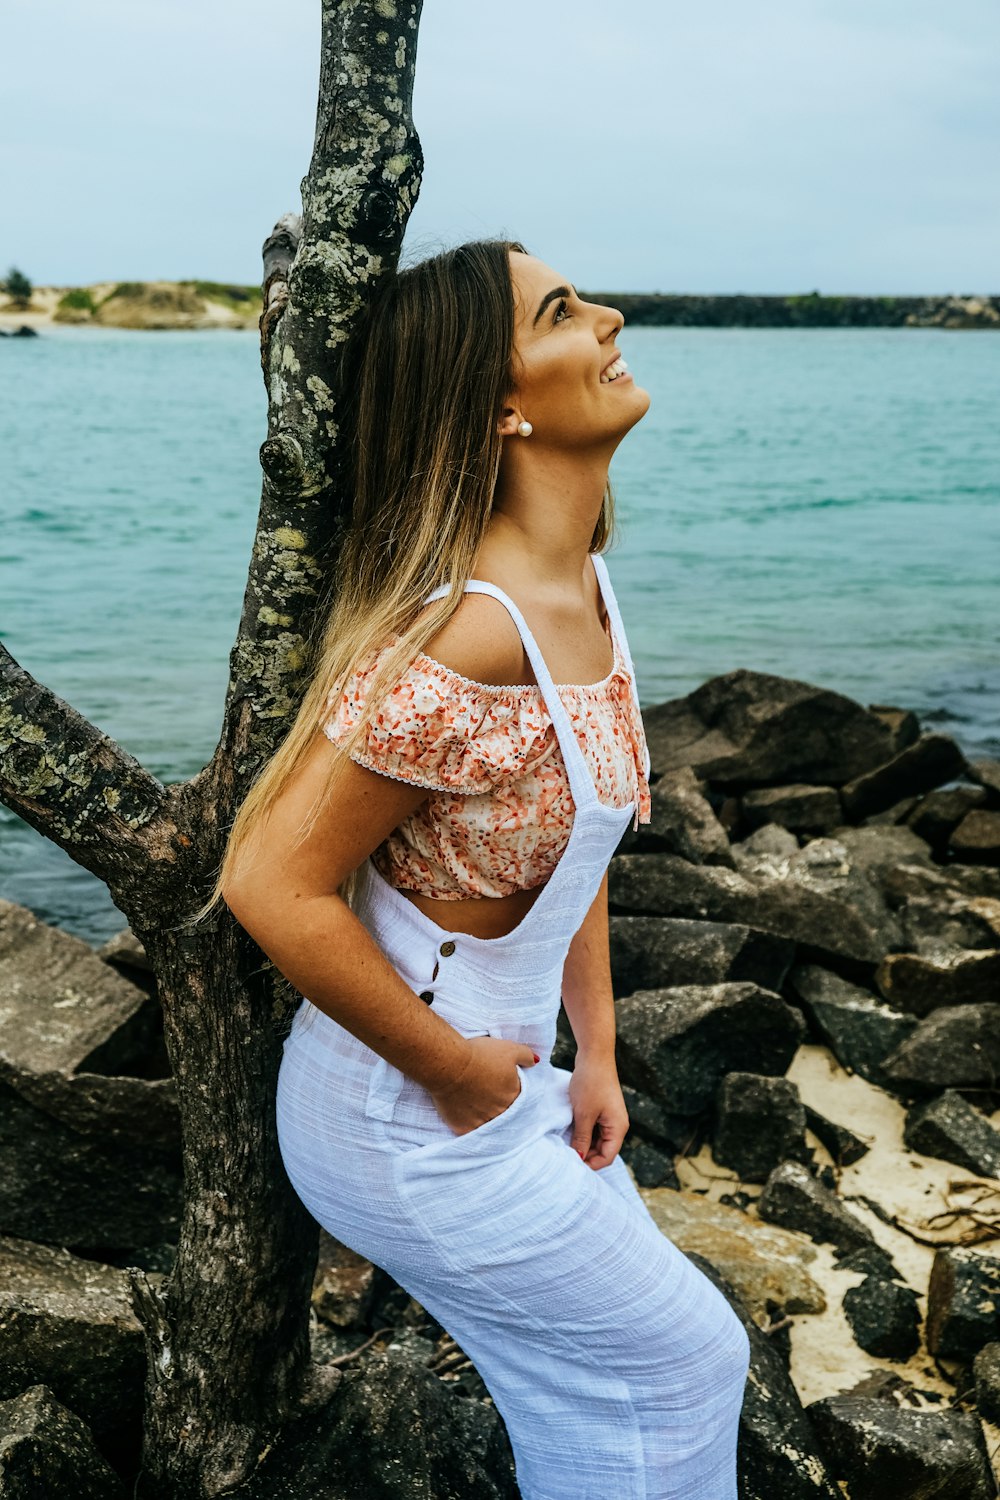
point(500, 811)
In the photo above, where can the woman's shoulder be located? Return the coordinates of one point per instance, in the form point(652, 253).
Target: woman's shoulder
point(456, 720)
point(478, 644)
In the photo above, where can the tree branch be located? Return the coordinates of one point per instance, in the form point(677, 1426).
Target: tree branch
point(76, 786)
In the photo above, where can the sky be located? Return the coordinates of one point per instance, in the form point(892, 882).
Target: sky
point(757, 146)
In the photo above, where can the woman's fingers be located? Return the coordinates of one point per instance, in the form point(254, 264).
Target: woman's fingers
point(602, 1152)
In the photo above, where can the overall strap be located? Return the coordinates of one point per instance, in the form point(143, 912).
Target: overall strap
point(580, 780)
point(611, 603)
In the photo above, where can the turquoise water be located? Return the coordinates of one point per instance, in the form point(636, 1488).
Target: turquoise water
point(822, 504)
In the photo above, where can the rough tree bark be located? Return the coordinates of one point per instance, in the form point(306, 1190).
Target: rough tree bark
point(228, 1332)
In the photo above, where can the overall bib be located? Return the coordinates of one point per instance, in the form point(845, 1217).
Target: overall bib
point(617, 1366)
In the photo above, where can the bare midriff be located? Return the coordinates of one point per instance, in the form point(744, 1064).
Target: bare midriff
point(480, 916)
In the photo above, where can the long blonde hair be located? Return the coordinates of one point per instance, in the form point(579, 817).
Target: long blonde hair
point(422, 457)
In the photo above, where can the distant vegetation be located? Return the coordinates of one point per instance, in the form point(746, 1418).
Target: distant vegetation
point(800, 310)
point(77, 299)
point(18, 287)
point(240, 298)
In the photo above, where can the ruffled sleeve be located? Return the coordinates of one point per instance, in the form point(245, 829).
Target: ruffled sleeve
point(440, 730)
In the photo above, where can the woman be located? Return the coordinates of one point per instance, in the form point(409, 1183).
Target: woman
point(425, 858)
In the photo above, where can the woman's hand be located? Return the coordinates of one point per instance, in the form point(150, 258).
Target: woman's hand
point(600, 1119)
point(487, 1084)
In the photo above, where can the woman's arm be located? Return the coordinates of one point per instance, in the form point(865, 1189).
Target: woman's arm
point(600, 1119)
point(586, 988)
point(288, 903)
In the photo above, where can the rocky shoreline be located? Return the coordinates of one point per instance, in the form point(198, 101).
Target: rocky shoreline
point(206, 304)
point(806, 955)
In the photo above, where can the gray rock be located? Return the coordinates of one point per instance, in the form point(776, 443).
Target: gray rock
point(987, 773)
point(986, 1374)
point(760, 1122)
point(902, 724)
point(948, 921)
point(394, 1419)
point(975, 880)
point(919, 983)
point(955, 1047)
point(929, 762)
point(857, 1027)
point(951, 1129)
point(884, 1318)
point(829, 867)
point(869, 1260)
point(646, 1118)
point(658, 952)
point(879, 848)
point(393, 1429)
point(677, 1044)
point(681, 821)
point(880, 1449)
point(897, 813)
point(650, 1167)
point(843, 1145)
point(62, 1009)
point(769, 839)
point(68, 1323)
point(977, 837)
point(793, 1198)
point(344, 1284)
point(798, 807)
point(963, 1302)
point(910, 878)
point(87, 1157)
point(47, 1452)
point(939, 813)
point(664, 885)
point(73, 1187)
point(127, 954)
point(745, 729)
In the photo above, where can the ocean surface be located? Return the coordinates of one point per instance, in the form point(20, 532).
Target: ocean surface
point(822, 504)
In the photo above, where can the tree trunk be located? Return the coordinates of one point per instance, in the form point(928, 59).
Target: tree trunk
point(228, 1332)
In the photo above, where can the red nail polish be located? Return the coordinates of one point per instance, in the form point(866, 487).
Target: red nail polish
point(535, 1056)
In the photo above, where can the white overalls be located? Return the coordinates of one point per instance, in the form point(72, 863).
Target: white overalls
point(616, 1364)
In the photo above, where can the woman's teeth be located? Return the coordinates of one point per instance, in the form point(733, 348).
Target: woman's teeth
point(613, 371)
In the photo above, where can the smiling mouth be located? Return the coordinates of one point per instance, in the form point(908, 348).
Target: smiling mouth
point(617, 371)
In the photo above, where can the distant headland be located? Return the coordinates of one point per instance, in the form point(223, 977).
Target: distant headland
point(214, 304)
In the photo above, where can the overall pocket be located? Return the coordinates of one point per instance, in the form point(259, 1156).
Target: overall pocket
point(410, 1117)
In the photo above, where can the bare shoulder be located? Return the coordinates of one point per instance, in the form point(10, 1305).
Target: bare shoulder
point(481, 641)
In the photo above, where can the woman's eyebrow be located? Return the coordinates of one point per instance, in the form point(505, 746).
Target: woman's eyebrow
point(557, 291)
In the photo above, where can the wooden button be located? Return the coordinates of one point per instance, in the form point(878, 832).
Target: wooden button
point(447, 949)
point(427, 996)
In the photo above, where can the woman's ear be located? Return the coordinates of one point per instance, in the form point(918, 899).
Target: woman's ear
point(507, 426)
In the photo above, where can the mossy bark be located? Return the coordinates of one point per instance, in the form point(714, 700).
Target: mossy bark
point(228, 1332)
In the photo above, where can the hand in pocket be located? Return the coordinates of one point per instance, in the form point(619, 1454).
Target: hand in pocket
point(486, 1085)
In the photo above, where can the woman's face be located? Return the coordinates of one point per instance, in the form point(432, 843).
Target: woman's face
point(565, 345)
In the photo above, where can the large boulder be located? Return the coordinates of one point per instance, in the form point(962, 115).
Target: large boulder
point(47, 1453)
point(68, 1324)
point(749, 729)
point(88, 1157)
point(666, 885)
point(881, 1449)
point(678, 1044)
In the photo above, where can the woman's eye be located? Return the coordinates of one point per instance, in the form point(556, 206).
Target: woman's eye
point(561, 306)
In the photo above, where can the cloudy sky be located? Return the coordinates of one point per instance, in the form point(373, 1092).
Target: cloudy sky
point(728, 146)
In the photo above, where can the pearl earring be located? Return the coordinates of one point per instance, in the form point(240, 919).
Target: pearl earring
point(524, 428)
